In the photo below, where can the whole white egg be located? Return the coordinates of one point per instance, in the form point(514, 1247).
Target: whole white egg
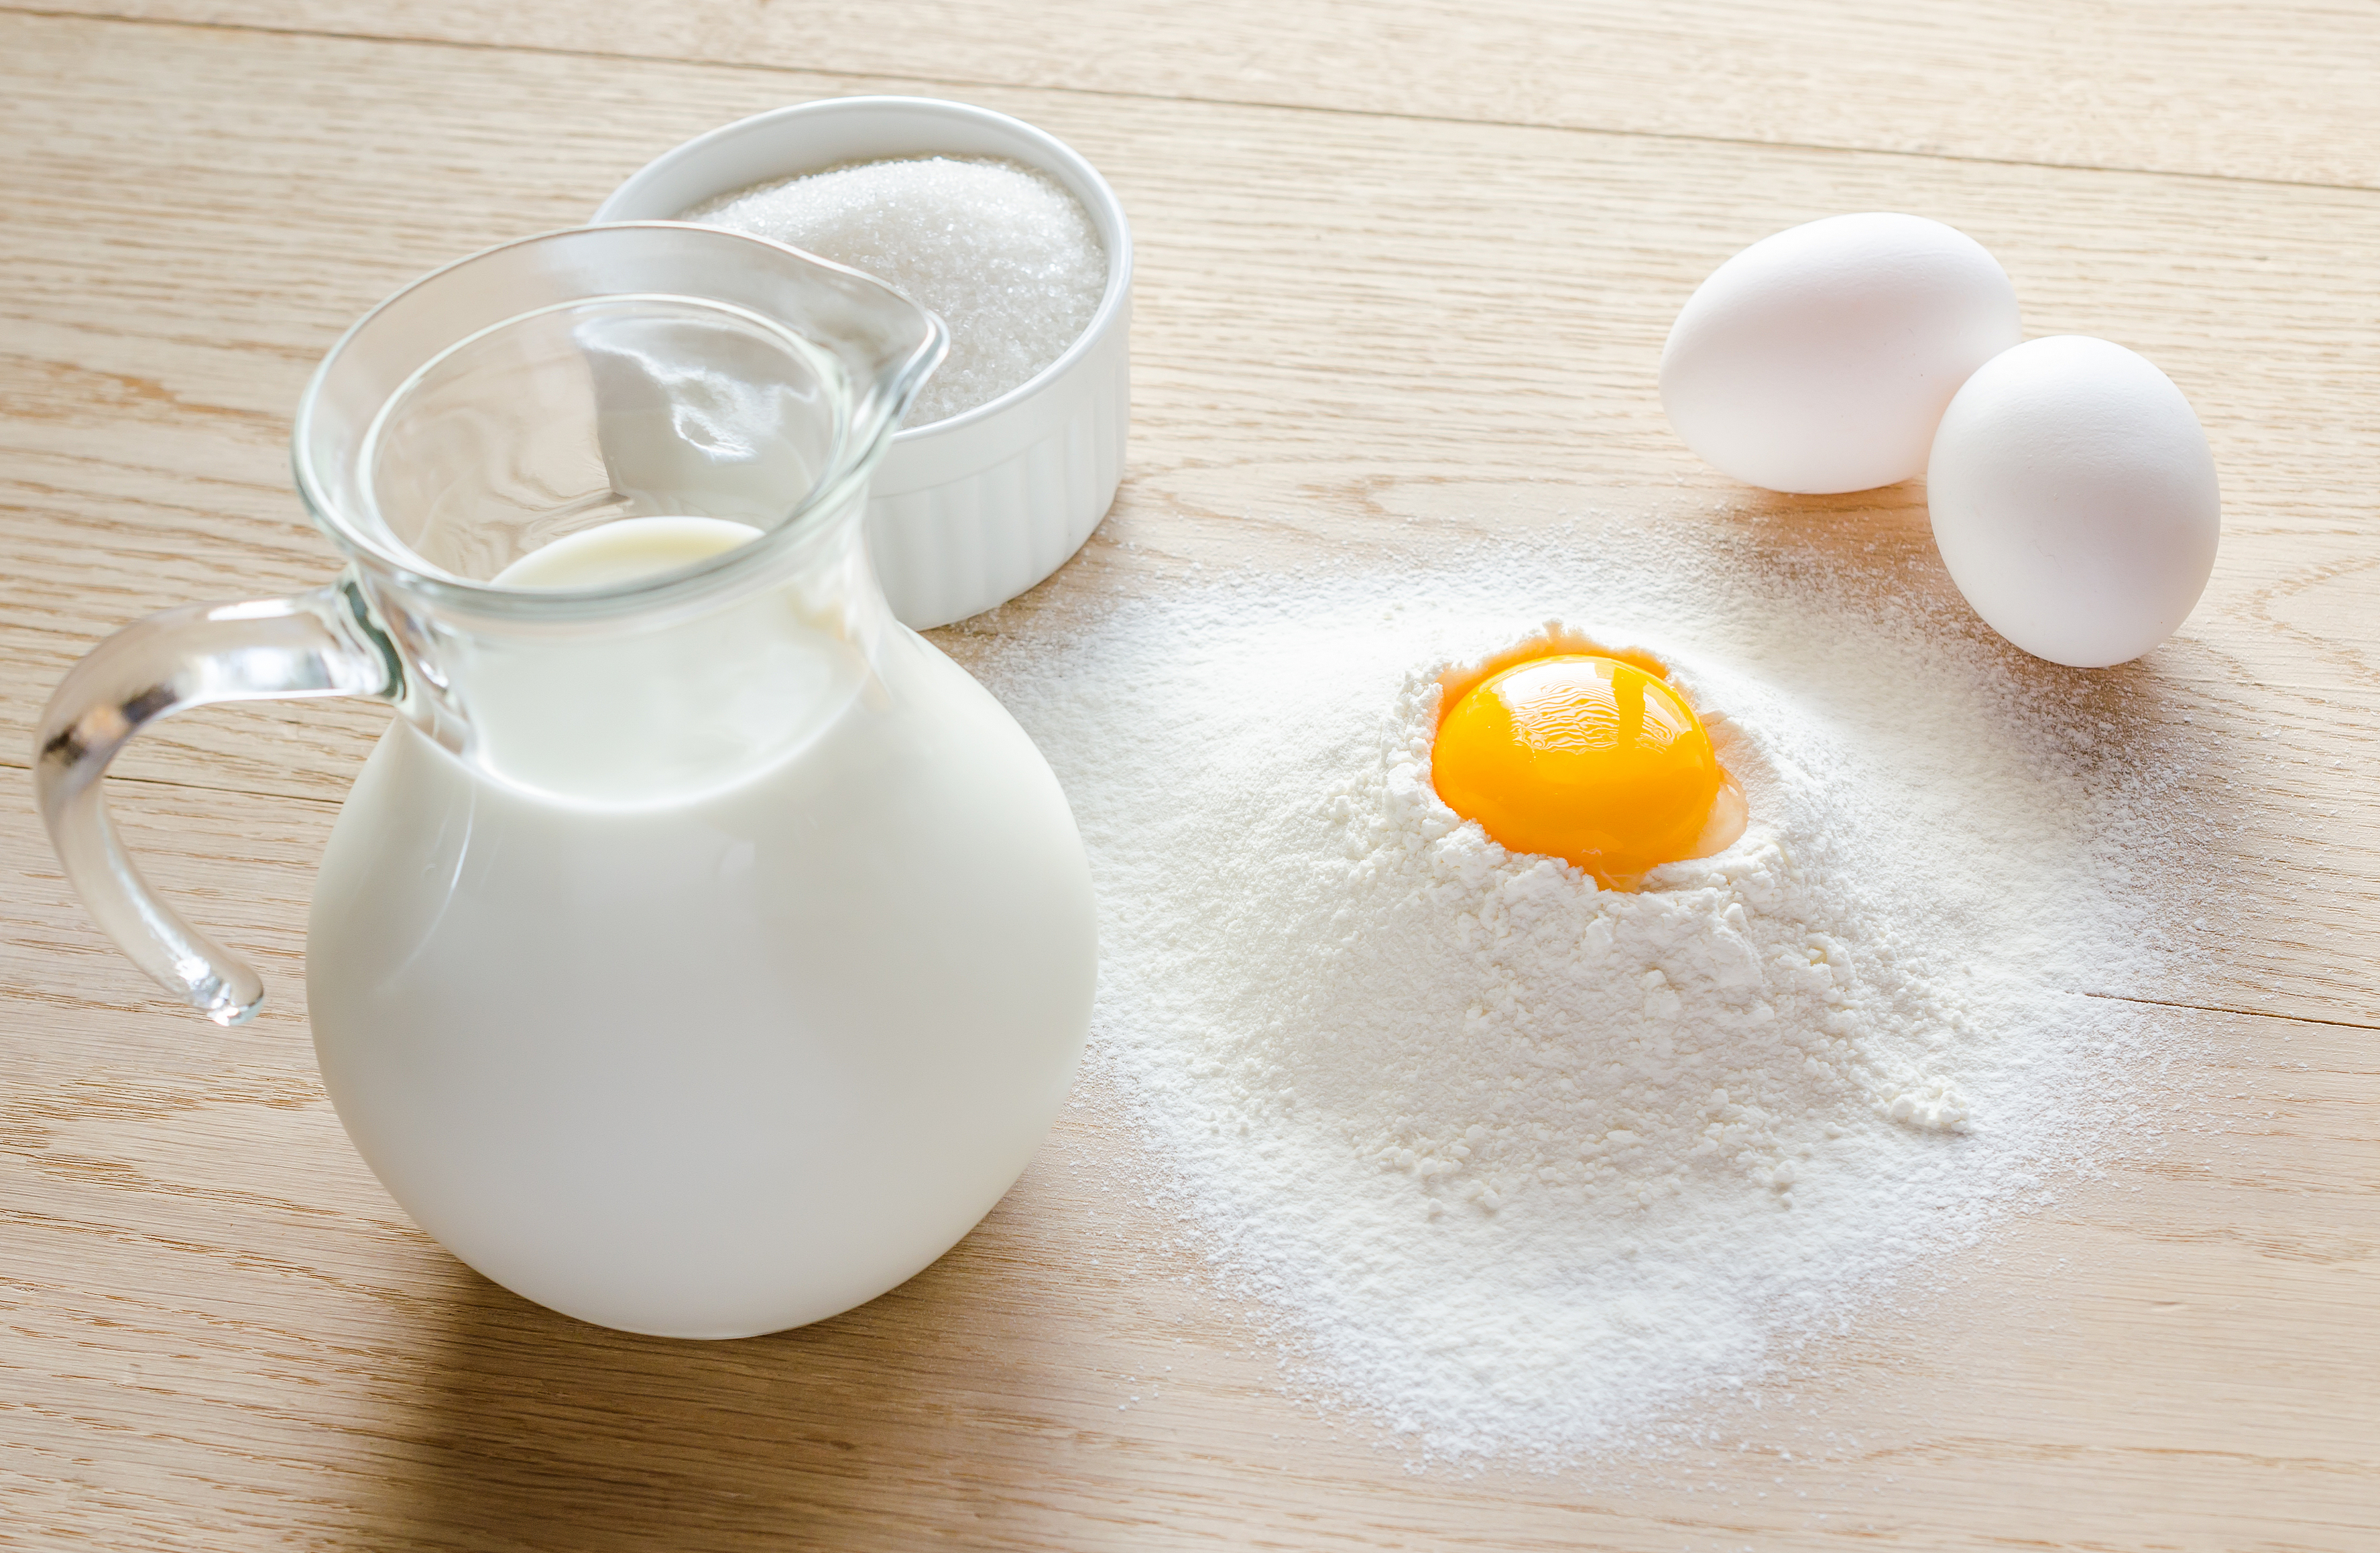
point(1820, 360)
point(2075, 500)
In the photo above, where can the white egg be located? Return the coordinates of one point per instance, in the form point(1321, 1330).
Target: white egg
point(1820, 360)
point(2074, 499)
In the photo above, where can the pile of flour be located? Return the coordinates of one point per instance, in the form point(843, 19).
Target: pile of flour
point(1518, 1165)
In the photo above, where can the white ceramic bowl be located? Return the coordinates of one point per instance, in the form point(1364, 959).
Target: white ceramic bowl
point(969, 512)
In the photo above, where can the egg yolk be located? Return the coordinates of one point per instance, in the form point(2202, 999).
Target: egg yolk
point(1584, 758)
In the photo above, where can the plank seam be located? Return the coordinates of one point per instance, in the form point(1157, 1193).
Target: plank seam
point(1732, 141)
point(9, 765)
point(2243, 1012)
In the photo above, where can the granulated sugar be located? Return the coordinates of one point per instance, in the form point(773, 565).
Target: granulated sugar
point(1002, 252)
point(1522, 1167)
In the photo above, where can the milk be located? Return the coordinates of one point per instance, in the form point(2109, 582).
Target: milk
point(785, 1009)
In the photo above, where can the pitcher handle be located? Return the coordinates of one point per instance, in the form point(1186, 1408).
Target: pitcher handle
point(318, 643)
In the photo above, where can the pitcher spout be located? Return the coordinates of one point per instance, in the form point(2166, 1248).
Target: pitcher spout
point(605, 488)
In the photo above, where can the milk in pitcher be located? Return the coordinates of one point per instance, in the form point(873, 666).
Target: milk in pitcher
point(700, 952)
point(508, 965)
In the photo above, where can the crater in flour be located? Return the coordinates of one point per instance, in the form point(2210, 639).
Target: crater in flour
point(1493, 1024)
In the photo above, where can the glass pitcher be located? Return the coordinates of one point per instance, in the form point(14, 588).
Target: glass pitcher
point(700, 952)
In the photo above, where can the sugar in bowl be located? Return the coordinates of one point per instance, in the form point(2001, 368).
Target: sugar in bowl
point(973, 506)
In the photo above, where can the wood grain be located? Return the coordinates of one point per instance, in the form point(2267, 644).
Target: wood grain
point(220, 1331)
point(1462, 333)
point(1362, 334)
point(2279, 92)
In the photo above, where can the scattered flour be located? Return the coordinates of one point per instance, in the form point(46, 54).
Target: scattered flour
point(1002, 252)
point(1520, 1166)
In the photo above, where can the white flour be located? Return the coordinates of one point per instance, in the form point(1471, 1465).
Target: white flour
point(1520, 1165)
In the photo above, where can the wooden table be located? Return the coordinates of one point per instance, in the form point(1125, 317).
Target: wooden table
point(1404, 269)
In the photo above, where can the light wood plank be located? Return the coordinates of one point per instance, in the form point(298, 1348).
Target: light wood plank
point(219, 1333)
point(1457, 339)
point(2277, 92)
point(1359, 336)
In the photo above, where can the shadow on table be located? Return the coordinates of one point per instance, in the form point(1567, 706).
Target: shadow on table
point(925, 1408)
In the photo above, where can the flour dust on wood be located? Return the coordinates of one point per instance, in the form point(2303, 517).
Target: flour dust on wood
point(1519, 1166)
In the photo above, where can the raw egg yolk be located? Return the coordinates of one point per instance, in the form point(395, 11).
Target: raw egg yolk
point(1583, 758)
